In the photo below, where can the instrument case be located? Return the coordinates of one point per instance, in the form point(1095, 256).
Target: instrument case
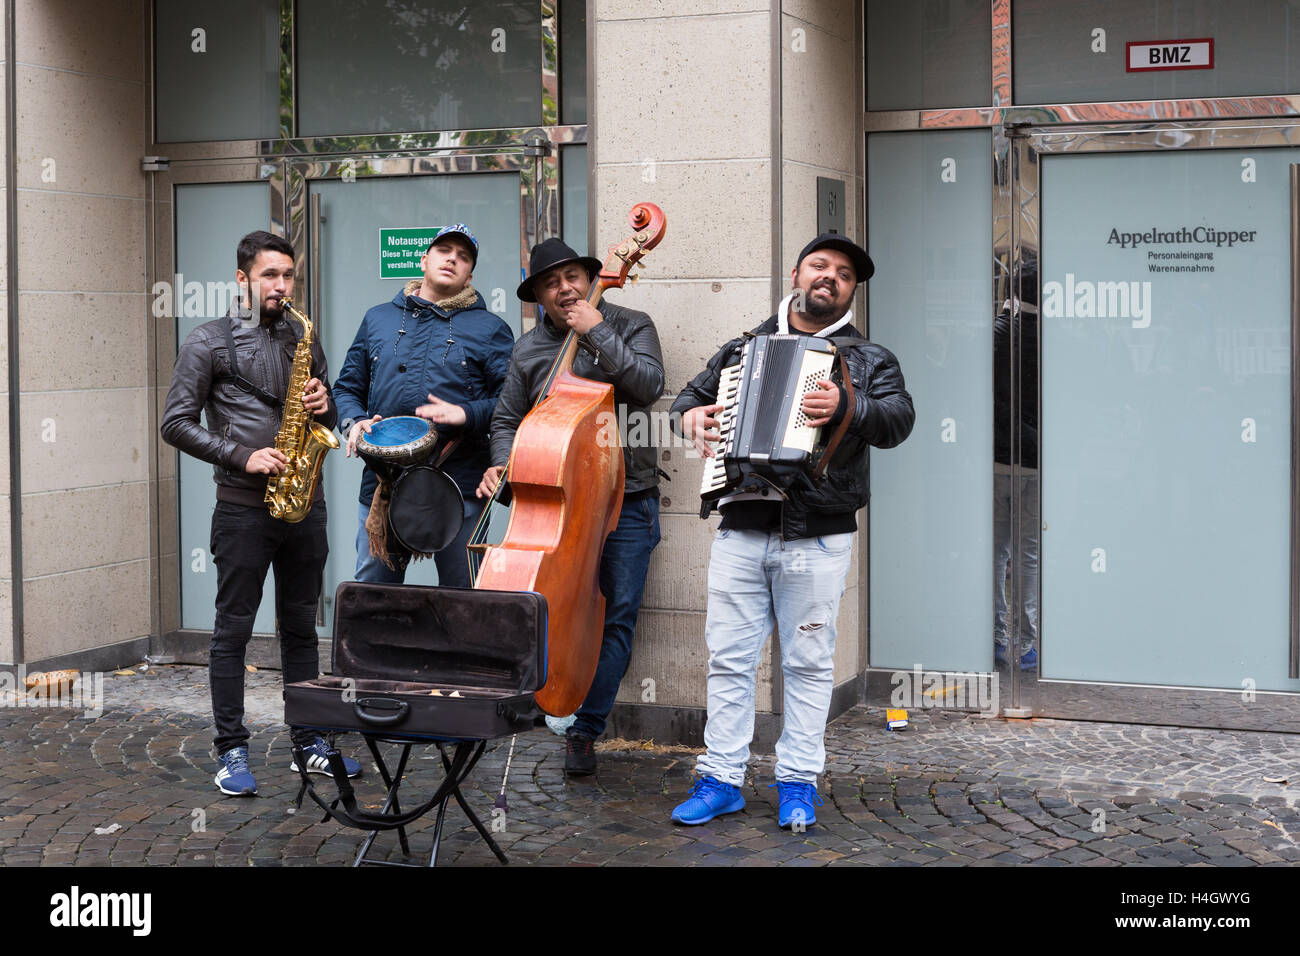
point(394, 644)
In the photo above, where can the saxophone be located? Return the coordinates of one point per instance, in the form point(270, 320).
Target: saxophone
point(302, 441)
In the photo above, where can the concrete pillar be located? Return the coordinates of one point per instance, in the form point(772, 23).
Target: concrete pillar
point(689, 110)
point(6, 562)
point(84, 395)
point(822, 136)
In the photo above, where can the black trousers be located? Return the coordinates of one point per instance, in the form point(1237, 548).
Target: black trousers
point(246, 541)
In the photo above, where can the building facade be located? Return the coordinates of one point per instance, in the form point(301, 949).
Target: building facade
point(1081, 216)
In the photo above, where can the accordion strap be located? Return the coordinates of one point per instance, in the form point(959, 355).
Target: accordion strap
point(850, 402)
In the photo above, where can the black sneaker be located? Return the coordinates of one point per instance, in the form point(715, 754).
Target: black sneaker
point(579, 755)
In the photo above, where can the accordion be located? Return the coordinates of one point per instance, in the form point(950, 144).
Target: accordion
point(766, 441)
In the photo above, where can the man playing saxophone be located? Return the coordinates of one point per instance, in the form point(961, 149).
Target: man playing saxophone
point(236, 370)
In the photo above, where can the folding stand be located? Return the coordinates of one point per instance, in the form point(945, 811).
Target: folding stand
point(391, 817)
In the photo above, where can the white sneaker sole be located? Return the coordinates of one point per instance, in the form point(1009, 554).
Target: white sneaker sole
point(221, 785)
point(317, 764)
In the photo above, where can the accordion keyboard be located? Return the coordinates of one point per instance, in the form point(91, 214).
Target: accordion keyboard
point(715, 471)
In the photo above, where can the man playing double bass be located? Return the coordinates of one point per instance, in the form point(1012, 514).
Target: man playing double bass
point(620, 347)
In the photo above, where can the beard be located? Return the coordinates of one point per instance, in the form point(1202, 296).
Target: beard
point(823, 311)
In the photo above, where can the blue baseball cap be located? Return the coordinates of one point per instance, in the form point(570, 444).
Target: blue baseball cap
point(459, 229)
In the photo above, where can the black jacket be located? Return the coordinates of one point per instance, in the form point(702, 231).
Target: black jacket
point(882, 416)
point(238, 423)
point(622, 350)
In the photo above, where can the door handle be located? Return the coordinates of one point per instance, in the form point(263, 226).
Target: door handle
point(1293, 656)
point(317, 314)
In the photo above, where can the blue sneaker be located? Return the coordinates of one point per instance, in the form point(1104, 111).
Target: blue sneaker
point(796, 803)
point(1029, 660)
point(709, 798)
point(234, 779)
point(317, 753)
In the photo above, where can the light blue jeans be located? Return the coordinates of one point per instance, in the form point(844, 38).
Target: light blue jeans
point(757, 580)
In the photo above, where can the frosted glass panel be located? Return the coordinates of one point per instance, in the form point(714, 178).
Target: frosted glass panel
point(210, 221)
point(448, 64)
point(573, 62)
point(1166, 431)
point(217, 70)
point(573, 179)
point(931, 305)
point(1060, 57)
point(929, 54)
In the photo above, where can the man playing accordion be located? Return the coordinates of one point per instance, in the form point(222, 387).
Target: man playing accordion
point(781, 558)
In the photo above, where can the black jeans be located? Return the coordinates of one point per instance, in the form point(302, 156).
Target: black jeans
point(246, 541)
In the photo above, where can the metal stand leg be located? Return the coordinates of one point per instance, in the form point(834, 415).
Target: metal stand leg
point(457, 769)
point(473, 817)
point(391, 803)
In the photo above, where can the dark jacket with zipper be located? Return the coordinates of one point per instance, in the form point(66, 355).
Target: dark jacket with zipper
point(238, 422)
point(882, 417)
point(406, 350)
point(623, 350)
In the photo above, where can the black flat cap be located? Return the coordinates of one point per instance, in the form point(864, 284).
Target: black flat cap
point(862, 264)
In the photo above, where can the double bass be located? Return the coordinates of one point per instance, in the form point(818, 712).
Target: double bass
point(566, 476)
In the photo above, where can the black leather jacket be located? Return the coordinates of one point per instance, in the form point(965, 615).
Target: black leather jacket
point(238, 423)
point(622, 350)
point(882, 416)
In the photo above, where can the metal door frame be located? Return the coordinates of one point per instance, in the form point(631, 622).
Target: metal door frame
point(1021, 148)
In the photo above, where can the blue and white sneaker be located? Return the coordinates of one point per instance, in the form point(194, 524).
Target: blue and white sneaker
point(234, 779)
point(796, 803)
point(317, 754)
point(708, 798)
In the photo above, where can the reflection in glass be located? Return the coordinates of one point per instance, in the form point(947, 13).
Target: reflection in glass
point(1075, 52)
point(217, 70)
point(573, 63)
point(1015, 489)
point(930, 54)
point(402, 66)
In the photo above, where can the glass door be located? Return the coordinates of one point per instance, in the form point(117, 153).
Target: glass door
point(348, 214)
point(202, 212)
point(1166, 426)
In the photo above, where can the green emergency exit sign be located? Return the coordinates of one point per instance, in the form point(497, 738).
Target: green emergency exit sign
point(400, 251)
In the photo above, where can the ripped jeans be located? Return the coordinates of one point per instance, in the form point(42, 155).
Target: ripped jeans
point(756, 580)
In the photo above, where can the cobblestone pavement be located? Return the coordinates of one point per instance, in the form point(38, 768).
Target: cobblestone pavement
point(952, 790)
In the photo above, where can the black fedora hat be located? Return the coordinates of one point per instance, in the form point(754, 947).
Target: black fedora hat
point(546, 256)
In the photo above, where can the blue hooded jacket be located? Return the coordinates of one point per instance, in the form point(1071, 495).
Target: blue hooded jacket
point(409, 348)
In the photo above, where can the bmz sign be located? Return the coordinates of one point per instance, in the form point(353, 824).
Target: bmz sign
point(1170, 55)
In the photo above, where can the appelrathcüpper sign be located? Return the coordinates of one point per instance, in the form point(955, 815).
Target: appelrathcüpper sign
point(400, 251)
